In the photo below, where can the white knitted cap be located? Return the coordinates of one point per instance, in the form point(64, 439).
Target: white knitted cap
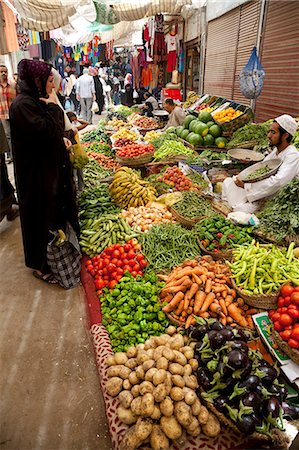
point(288, 123)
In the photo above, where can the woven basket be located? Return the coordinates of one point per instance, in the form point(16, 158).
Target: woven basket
point(186, 222)
point(260, 301)
point(221, 208)
point(246, 144)
point(221, 255)
point(291, 352)
point(265, 237)
point(136, 161)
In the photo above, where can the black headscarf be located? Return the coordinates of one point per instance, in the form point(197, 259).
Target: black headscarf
point(33, 76)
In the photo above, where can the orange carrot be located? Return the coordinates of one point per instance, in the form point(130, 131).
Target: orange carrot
point(175, 289)
point(235, 313)
point(208, 301)
point(193, 289)
point(219, 289)
point(251, 311)
point(228, 300)
point(233, 293)
point(250, 322)
point(204, 278)
point(190, 310)
point(199, 300)
point(223, 307)
point(186, 300)
point(204, 315)
point(199, 270)
point(184, 314)
point(186, 271)
point(175, 301)
point(168, 298)
point(196, 279)
point(190, 321)
point(215, 308)
point(240, 302)
point(180, 307)
point(163, 277)
point(177, 282)
point(208, 286)
point(229, 320)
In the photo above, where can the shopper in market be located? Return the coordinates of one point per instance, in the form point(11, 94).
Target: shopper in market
point(151, 99)
point(176, 114)
point(86, 94)
point(98, 85)
point(246, 196)
point(7, 95)
point(43, 171)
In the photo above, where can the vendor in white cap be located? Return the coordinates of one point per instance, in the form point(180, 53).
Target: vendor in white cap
point(245, 196)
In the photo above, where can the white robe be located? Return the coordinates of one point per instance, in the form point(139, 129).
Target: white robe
point(246, 199)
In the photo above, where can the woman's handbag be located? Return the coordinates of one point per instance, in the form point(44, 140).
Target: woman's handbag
point(64, 257)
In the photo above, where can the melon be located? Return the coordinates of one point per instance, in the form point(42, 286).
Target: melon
point(190, 135)
point(179, 130)
point(192, 125)
point(187, 121)
point(201, 128)
point(195, 139)
point(211, 123)
point(170, 130)
point(215, 131)
point(220, 142)
point(205, 117)
point(184, 134)
point(208, 140)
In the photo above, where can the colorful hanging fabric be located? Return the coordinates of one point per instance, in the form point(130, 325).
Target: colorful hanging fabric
point(22, 36)
point(10, 28)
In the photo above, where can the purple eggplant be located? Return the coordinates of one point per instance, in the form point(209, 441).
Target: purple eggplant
point(220, 403)
point(290, 411)
point(198, 332)
point(242, 335)
point(251, 383)
point(253, 400)
point(217, 326)
point(280, 391)
point(237, 359)
point(228, 334)
point(203, 379)
point(271, 407)
point(217, 340)
point(248, 423)
point(240, 345)
point(267, 374)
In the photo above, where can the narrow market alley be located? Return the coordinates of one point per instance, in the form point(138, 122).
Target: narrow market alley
point(50, 392)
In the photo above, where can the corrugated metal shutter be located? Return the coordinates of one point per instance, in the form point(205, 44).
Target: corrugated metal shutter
point(221, 54)
point(249, 20)
point(280, 58)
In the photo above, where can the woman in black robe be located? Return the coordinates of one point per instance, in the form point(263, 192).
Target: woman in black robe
point(99, 93)
point(42, 166)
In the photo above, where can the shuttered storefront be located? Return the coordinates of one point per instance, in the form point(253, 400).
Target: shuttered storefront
point(248, 28)
point(221, 54)
point(280, 58)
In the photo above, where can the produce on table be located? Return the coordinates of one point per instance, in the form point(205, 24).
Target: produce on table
point(262, 269)
point(204, 107)
point(193, 206)
point(295, 140)
point(174, 177)
point(151, 135)
point(156, 388)
point(131, 312)
point(122, 142)
point(159, 141)
point(96, 135)
point(258, 173)
point(93, 173)
point(94, 202)
point(286, 317)
point(134, 150)
point(147, 123)
point(104, 161)
point(167, 245)
point(192, 97)
point(128, 189)
point(280, 216)
point(203, 288)
point(170, 149)
point(99, 147)
point(100, 233)
point(116, 123)
point(198, 179)
point(109, 267)
point(124, 111)
point(227, 115)
point(218, 234)
point(236, 380)
point(209, 155)
point(144, 217)
point(250, 132)
point(124, 133)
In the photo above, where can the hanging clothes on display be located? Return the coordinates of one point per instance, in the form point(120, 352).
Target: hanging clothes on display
point(155, 76)
point(10, 28)
point(22, 36)
point(134, 63)
point(159, 50)
point(146, 77)
point(172, 43)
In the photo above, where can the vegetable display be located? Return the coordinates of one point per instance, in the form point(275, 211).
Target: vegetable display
point(134, 150)
point(258, 173)
point(104, 161)
point(124, 133)
point(128, 189)
point(209, 155)
point(109, 267)
point(151, 135)
point(280, 216)
point(262, 269)
point(192, 97)
point(116, 123)
point(192, 206)
point(286, 317)
point(174, 177)
point(169, 149)
point(96, 135)
point(164, 137)
point(236, 380)
point(156, 390)
point(99, 147)
point(144, 218)
point(250, 132)
point(131, 311)
point(203, 288)
point(226, 115)
point(93, 173)
point(167, 245)
point(217, 234)
point(146, 123)
point(108, 230)
point(94, 202)
point(122, 142)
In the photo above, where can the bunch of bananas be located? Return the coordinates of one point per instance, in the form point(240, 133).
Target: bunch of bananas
point(123, 133)
point(192, 97)
point(128, 189)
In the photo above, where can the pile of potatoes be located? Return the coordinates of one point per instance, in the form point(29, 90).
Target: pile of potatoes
point(156, 387)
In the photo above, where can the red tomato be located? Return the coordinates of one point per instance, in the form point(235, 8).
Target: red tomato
point(127, 247)
point(109, 250)
point(114, 261)
point(281, 302)
point(295, 334)
point(89, 262)
point(285, 320)
point(131, 254)
point(286, 290)
point(295, 298)
point(105, 271)
point(119, 277)
point(114, 275)
point(89, 267)
point(136, 268)
point(143, 263)
point(283, 310)
point(295, 326)
point(139, 257)
point(100, 284)
point(275, 316)
point(116, 254)
point(128, 268)
point(119, 271)
point(296, 289)
point(106, 262)
point(99, 292)
point(112, 284)
point(285, 335)
point(277, 326)
point(134, 274)
point(131, 263)
point(293, 343)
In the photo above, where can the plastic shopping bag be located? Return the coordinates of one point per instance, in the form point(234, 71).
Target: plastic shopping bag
point(252, 77)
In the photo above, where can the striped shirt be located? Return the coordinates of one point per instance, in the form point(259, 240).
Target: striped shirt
point(7, 95)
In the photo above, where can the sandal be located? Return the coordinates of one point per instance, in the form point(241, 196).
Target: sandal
point(47, 278)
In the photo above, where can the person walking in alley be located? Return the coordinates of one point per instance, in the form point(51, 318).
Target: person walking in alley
point(85, 91)
point(7, 95)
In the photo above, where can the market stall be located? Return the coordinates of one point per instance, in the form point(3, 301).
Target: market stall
point(189, 299)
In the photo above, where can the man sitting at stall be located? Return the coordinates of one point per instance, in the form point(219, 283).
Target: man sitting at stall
point(176, 114)
point(151, 99)
point(245, 196)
